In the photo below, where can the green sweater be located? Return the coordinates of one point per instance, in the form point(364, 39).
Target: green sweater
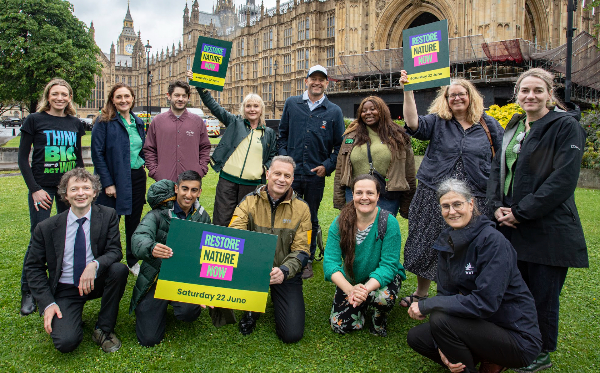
point(373, 258)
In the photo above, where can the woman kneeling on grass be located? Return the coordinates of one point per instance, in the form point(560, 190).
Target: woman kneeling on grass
point(362, 258)
point(483, 311)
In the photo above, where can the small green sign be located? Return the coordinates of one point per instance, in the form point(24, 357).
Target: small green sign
point(426, 56)
point(210, 63)
point(217, 266)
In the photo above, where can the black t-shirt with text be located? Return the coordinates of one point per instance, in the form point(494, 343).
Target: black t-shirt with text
point(56, 146)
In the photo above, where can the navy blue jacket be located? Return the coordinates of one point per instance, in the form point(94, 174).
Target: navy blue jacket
point(448, 142)
point(112, 161)
point(311, 138)
point(478, 278)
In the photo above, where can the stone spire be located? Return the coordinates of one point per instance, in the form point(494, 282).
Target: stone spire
point(93, 31)
point(128, 15)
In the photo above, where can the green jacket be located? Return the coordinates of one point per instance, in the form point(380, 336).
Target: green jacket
point(154, 229)
point(238, 129)
point(290, 222)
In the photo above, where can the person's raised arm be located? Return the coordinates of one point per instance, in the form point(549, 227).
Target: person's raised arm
point(411, 118)
point(218, 111)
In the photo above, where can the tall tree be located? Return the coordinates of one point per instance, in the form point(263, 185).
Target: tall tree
point(40, 40)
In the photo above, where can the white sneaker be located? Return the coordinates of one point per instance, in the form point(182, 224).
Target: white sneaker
point(135, 269)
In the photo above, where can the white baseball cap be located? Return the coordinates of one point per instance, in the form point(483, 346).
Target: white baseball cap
point(317, 68)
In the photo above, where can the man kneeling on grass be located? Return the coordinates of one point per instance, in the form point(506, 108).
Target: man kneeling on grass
point(274, 208)
point(168, 200)
point(81, 251)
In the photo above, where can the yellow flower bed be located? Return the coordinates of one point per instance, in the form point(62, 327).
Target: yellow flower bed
point(504, 113)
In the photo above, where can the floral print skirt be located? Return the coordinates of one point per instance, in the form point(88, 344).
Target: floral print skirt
point(344, 318)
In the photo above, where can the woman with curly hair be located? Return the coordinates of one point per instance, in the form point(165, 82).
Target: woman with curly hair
point(373, 143)
point(462, 141)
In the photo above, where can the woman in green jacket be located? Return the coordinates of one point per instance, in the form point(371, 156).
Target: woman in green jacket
point(362, 258)
point(243, 154)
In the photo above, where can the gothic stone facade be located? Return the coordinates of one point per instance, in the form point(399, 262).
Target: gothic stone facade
point(272, 49)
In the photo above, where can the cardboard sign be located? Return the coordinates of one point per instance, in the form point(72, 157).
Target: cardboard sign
point(210, 63)
point(217, 266)
point(426, 55)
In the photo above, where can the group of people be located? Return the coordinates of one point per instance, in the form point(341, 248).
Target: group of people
point(492, 221)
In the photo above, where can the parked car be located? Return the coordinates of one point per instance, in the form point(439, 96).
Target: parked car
point(12, 122)
point(213, 126)
point(88, 123)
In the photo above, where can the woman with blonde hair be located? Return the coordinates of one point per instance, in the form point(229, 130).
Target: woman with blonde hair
point(117, 141)
point(462, 141)
point(243, 154)
point(55, 135)
point(531, 189)
point(374, 144)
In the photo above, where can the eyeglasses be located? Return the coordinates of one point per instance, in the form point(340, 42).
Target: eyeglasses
point(454, 96)
point(517, 147)
point(457, 206)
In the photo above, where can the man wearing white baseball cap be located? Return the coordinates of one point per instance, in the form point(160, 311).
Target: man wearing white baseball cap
point(310, 131)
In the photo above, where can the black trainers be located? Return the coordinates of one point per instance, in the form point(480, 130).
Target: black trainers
point(28, 305)
point(248, 322)
point(540, 363)
point(108, 341)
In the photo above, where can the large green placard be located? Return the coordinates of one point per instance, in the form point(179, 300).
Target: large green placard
point(426, 55)
point(210, 63)
point(217, 266)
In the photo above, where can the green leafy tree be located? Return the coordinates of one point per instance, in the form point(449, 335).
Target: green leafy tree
point(41, 40)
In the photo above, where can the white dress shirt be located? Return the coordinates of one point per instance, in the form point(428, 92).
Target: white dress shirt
point(67, 265)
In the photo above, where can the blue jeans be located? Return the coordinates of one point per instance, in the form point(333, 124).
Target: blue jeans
point(310, 189)
point(545, 283)
point(387, 204)
point(36, 217)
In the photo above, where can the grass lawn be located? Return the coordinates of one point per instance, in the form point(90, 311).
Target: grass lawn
point(85, 141)
point(199, 346)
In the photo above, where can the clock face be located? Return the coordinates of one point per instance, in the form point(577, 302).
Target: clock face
point(129, 48)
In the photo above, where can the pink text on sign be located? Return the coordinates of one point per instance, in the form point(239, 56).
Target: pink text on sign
point(426, 59)
point(210, 66)
point(216, 271)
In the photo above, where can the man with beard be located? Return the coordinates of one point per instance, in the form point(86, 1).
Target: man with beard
point(177, 140)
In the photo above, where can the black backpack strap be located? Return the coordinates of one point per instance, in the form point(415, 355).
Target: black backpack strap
point(382, 224)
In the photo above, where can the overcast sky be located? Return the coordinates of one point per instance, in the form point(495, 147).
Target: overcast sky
point(159, 21)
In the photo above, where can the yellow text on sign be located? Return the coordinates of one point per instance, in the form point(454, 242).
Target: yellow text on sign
point(217, 256)
point(214, 58)
point(208, 79)
point(244, 300)
point(426, 76)
point(421, 49)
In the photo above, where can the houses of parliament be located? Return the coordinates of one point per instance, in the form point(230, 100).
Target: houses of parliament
point(273, 48)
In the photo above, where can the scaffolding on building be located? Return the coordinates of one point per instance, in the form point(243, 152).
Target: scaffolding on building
point(472, 58)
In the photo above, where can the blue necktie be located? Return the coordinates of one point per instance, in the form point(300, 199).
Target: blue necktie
point(79, 252)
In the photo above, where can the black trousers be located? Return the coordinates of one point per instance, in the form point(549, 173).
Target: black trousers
point(468, 341)
point(67, 333)
point(151, 317)
point(545, 283)
point(310, 188)
point(138, 199)
point(227, 196)
point(288, 307)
